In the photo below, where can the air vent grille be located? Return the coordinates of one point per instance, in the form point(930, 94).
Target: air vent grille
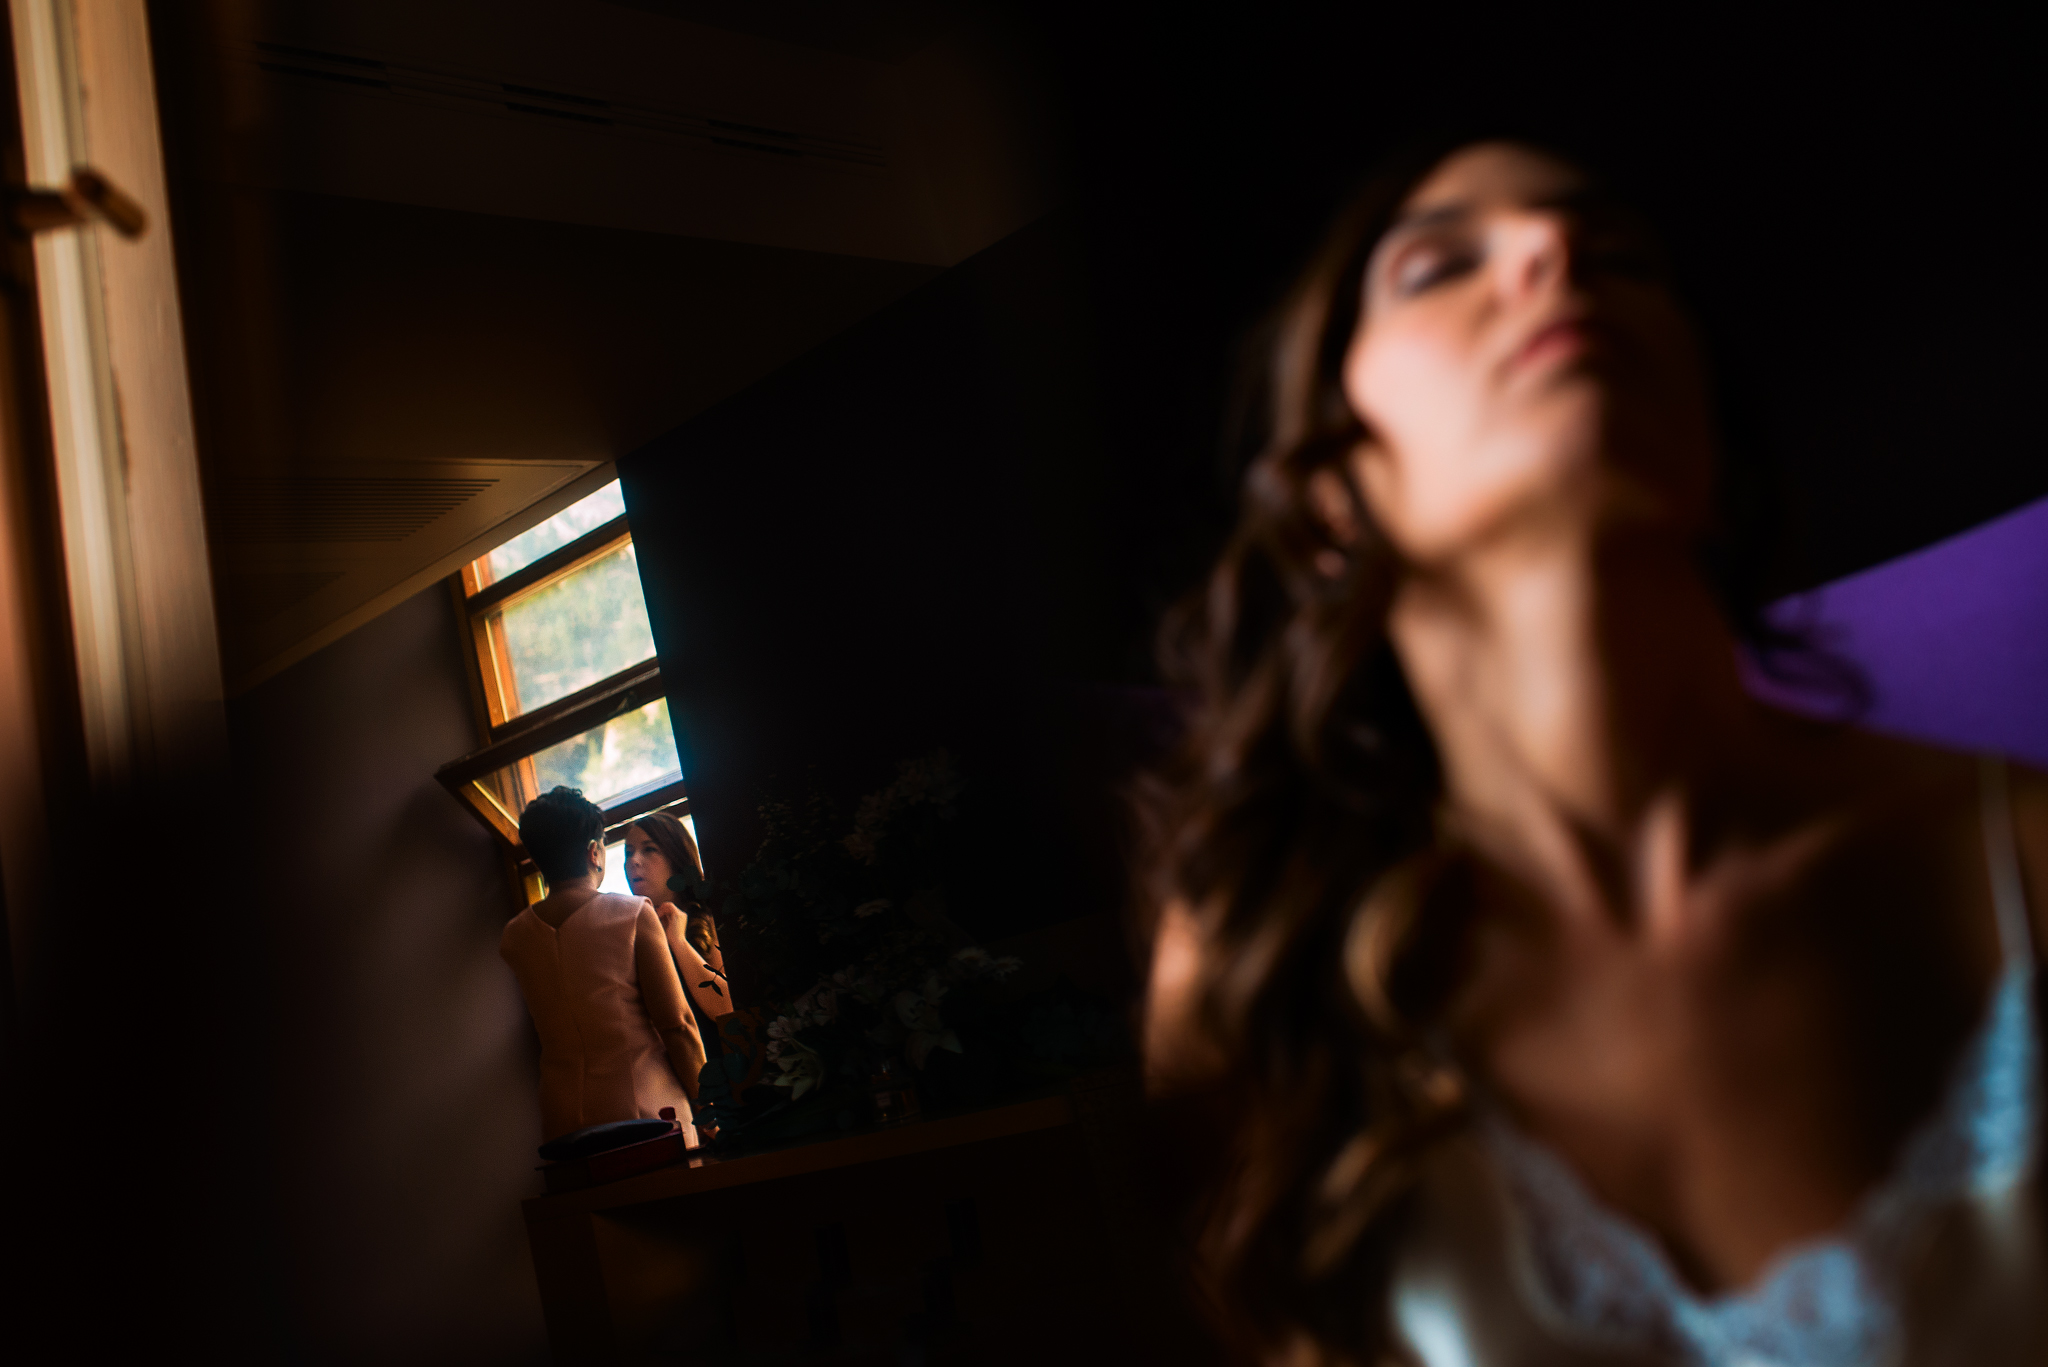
point(336, 508)
point(449, 86)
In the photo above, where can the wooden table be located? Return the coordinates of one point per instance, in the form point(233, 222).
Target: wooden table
point(993, 1237)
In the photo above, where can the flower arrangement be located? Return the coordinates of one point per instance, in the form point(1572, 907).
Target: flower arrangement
point(847, 932)
point(865, 988)
point(856, 1016)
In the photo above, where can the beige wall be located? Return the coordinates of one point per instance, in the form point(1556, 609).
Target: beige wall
point(399, 1079)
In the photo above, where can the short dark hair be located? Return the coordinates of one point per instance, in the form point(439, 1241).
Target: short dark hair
point(557, 828)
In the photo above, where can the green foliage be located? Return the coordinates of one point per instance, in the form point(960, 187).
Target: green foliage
point(823, 893)
point(844, 924)
point(583, 627)
point(585, 515)
point(624, 753)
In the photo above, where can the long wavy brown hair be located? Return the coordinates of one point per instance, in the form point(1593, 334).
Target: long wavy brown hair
point(685, 887)
point(1298, 827)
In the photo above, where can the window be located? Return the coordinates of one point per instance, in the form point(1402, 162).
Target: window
point(564, 671)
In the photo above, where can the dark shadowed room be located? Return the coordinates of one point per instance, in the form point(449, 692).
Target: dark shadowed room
point(956, 682)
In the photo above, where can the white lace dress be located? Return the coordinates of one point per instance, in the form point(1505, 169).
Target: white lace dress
point(1514, 1263)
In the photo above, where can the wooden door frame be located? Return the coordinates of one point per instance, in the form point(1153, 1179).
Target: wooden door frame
point(110, 679)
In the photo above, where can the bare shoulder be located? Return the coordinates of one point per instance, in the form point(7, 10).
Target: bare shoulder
point(1176, 1054)
point(2029, 798)
point(1905, 807)
point(1931, 778)
point(1949, 781)
point(2030, 831)
point(1909, 765)
point(1886, 788)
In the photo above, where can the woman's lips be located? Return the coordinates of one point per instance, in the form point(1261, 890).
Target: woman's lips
point(1564, 339)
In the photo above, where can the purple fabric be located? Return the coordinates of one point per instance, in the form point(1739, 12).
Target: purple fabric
point(1953, 638)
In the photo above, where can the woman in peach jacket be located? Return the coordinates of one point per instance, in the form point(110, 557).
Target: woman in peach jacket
point(618, 1040)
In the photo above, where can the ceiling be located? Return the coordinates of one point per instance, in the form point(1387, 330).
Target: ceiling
point(885, 30)
point(443, 260)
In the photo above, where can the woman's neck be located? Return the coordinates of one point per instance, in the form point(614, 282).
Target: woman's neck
point(1583, 695)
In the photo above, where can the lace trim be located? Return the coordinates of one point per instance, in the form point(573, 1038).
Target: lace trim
point(1829, 1303)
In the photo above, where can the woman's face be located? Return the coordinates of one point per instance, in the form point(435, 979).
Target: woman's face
point(1521, 360)
point(647, 868)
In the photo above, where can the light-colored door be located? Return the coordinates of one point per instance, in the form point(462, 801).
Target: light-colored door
point(109, 661)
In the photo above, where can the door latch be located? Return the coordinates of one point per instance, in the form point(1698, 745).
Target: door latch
point(89, 198)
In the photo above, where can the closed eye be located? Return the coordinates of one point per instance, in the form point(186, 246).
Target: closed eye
point(1426, 268)
point(1421, 258)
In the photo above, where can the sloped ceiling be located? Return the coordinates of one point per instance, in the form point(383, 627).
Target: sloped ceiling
point(443, 260)
point(886, 31)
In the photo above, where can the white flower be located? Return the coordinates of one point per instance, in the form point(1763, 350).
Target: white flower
point(926, 1030)
point(921, 1043)
point(976, 962)
point(802, 1069)
point(819, 1006)
point(914, 1010)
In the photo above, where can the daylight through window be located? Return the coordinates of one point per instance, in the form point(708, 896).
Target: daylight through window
point(564, 667)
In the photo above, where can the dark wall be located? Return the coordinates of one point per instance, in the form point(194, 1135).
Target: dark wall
point(895, 545)
point(386, 1058)
point(883, 543)
point(1842, 193)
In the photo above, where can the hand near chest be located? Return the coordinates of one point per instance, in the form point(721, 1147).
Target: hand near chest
point(1733, 1051)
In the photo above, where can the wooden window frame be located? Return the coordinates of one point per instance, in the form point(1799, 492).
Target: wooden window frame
point(479, 596)
point(506, 739)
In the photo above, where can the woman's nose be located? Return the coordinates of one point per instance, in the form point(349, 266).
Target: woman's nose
point(1534, 251)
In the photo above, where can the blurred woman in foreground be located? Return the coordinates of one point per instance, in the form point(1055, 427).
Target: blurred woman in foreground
point(1568, 1004)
